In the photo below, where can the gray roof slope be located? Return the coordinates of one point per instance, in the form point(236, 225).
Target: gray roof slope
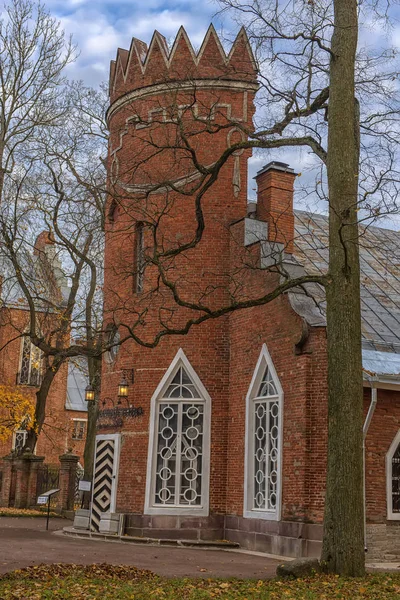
point(380, 276)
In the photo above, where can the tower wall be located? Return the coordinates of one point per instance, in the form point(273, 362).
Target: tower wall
point(160, 100)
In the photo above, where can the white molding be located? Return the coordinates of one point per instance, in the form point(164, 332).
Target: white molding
point(180, 359)
point(393, 447)
point(171, 87)
point(258, 373)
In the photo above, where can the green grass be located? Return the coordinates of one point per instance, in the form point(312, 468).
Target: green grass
point(107, 582)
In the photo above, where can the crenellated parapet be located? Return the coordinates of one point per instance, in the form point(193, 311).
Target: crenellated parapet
point(143, 67)
point(163, 100)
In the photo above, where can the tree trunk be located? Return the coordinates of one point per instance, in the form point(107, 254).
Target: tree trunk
point(93, 411)
point(40, 408)
point(343, 548)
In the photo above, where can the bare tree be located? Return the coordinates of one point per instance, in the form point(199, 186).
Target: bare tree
point(33, 54)
point(62, 191)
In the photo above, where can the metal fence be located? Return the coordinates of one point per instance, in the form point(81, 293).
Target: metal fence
point(47, 479)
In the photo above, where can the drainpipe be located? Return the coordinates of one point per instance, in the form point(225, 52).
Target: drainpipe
point(368, 419)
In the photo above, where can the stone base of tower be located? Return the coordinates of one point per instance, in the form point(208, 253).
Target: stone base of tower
point(285, 538)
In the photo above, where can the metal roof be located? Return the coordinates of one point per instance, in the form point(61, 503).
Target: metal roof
point(377, 363)
point(380, 277)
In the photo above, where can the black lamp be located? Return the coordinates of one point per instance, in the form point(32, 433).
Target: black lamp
point(89, 393)
point(123, 388)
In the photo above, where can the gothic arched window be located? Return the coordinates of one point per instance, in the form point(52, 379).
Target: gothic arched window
point(179, 445)
point(264, 440)
point(31, 363)
point(393, 479)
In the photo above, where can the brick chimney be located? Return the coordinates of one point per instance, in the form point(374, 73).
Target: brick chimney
point(275, 202)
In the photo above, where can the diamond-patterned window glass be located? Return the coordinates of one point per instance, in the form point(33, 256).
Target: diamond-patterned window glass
point(31, 363)
point(264, 448)
point(396, 481)
point(179, 464)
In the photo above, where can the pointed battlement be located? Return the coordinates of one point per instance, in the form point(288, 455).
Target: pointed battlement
point(141, 66)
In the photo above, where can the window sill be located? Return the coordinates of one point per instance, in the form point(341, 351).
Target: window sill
point(260, 514)
point(177, 511)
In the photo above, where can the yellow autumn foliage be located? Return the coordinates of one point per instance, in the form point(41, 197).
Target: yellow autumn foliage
point(16, 411)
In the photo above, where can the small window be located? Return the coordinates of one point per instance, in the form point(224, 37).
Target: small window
point(140, 263)
point(30, 372)
point(19, 440)
point(393, 479)
point(113, 211)
point(113, 337)
point(78, 430)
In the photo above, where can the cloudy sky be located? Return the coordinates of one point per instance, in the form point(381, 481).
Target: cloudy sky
point(99, 27)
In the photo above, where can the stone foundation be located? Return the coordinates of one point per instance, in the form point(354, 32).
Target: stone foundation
point(286, 538)
point(173, 528)
point(383, 541)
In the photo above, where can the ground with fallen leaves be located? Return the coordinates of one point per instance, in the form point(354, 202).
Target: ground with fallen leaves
point(121, 582)
point(26, 512)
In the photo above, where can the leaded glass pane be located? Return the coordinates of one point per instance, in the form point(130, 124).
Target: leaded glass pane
point(167, 442)
point(36, 366)
point(25, 361)
point(266, 436)
point(267, 385)
point(396, 481)
point(191, 454)
point(181, 386)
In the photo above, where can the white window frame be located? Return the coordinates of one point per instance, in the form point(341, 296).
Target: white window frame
point(74, 420)
point(14, 438)
point(393, 447)
point(150, 508)
point(248, 512)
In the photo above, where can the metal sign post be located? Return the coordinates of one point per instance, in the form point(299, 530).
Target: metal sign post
point(45, 498)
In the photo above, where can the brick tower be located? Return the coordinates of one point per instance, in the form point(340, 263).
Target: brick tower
point(172, 113)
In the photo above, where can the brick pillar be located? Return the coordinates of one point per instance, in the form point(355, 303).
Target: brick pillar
point(22, 468)
point(66, 496)
point(26, 467)
point(8, 462)
point(35, 463)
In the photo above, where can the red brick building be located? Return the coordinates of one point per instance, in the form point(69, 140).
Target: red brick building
point(21, 364)
point(232, 440)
